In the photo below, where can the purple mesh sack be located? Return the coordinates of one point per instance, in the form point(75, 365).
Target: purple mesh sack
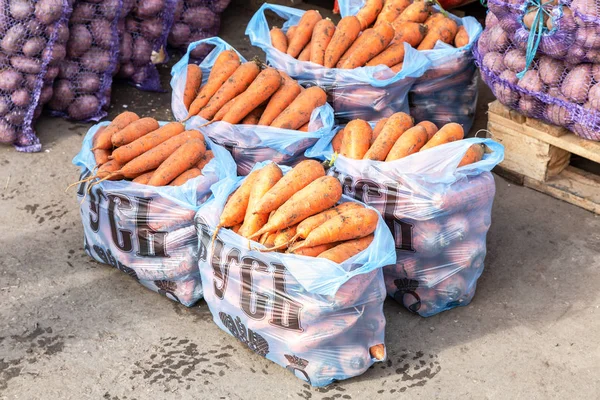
point(550, 89)
point(196, 20)
point(143, 35)
point(33, 35)
point(82, 90)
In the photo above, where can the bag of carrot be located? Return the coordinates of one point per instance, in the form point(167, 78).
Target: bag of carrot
point(343, 61)
point(257, 112)
point(293, 269)
point(435, 193)
point(145, 227)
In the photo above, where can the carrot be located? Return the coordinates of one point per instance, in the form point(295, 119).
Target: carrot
point(377, 352)
point(144, 178)
point(347, 226)
point(395, 126)
point(319, 195)
point(372, 42)
point(430, 21)
point(397, 68)
point(346, 250)
point(235, 208)
point(268, 239)
point(134, 130)
point(182, 159)
point(409, 143)
point(356, 139)
point(304, 128)
point(267, 177)
point(306, 227)
point(253, 117)
point(236, 228)
point(101, 156)
point(462, 37)
point(290, 32)
point(313, 251)
point(208, 155)
point(409, 32)
point(391, 10)
point(278, 39)
point(417, 12)
point(321, 37)
point(260, 90)
point(192, 84)
point(474, 154)
point(303, 32)
point(305, 53)
point(186, 176)
point(430, 127)
point(447, 133)
point(237, 83)
point(110, 171)
point(295, 180)
point(444, 29)
point(369, 12)
point(299, 111)
point(282, 98)
point(141, 145)
point(377, 130)
point(336, 143)
point(344, 36)
point(391, 56)
point(225, 109)
point(284, 236)
point(102, 138)
point(225, 65)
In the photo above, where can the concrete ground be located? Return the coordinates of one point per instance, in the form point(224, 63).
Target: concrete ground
point(75, 329)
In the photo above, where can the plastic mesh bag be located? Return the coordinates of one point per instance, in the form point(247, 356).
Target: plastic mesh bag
point(82, 90)
point(316, 318)
point(549, 89)
point(33, 35)
point(143, 40)
point(148, 232)
point(368, 93)
point(248, 144)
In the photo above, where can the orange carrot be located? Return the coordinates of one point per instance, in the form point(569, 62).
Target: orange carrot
point(282, 98)
point(430, 21)
point(267, 177)
point(430, 127)
point(139, 146)
point(278, 39)
point(182, 159)
point(444, 29)
point(377, 130)
point(225, 109)
point(237, 83)
point(186, 176)
point(299, 111)
point(304, 128)
point(303, 32)
point(305, 53)
point(395, 126)
point(336, 143)
point(290, 33)
point(391, 56)
point(298, 178)
point(346, 250)
point(192, 84)
point(253, 117)
point(474, 154)
point(417, 12)
point(110, 171)
point(268, 239)
point(306, 227)
point(284, 236)
point(372, 42)
point(462, 37)
point(397, 68)
point(447, 133)
point(102, 138)
point(321, 37)
point(208, 155)
point(260, 90)
point(144, 178)
point(344, 36)
point(369, 12)
point(391, 10)
point(408, 143)
point(237, 205)
point(377, 352)
point(409, 32)
point(101, 156)
point(356, 139)
point(313, 251)
point(134, 130)
point(319, 195)
point(236, 228)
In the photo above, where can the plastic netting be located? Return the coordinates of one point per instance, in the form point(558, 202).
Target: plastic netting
point(551, 90)
point(33, 35)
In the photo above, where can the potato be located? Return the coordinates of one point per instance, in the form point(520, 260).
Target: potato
point(20, 9)
point(21, 97)
point(51, 74)
point(5, 105)
point(68, 69)
point(594, 97)
point(596, 72)
point(15, 117)
point(96, 60)
point(498, 39)
point(504, 92)
point(84, 107)
point(566, 22)
point(46, 94)
point(126, 47)
point(531, 82)
point(102, 33)
point(59, 52)
point(110, 9)
point(495, 62)
point(219, 6)
point(8, 134)
point(62, 32)
point(490, 20)
point(80, 41)
point(27, 65)
point(88, 82)
point(38, 111)
point(48, 11)
point(593, 56)
point(132, 25)
point(126, 71)
point(550, 70)
point(13, 39)
point(149, 8)
point(515, 60)
point(200, 18)
point(142, 51)
point(34, 46)
point(585, 7)
point(82, 13)
point(10, 80)
point(201, 50)
point(152, 28)
point(555, 113)
point(179, 35)
point(4, 60)
point(588, 38)
point(576, 84)
point(530, 107)
point(529, 19)
point(63, 95)
point(31, 81)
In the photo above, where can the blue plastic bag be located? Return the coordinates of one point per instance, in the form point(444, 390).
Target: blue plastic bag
point(368, 93)
point(314, 317)
point(146, 231)
point(248, 144)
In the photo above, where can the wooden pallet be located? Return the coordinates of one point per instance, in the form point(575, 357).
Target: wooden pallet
point(537, 155)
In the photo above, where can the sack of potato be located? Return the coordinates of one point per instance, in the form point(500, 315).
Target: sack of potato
point(131, 218)
point(292, 269)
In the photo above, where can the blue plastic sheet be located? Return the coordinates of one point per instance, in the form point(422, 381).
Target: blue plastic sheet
point(248, 144)
point(368, 93)
point(145, 231)
point(312, 316)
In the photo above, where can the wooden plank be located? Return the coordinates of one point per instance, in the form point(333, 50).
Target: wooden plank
point(500, 109)
point(554, 130)
point(573, 186)
point(509, 175)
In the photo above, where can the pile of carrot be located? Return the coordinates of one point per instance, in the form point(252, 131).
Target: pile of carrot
point(299, 213)
point(397, 137)
point(375, 36)
point(140, 150)
point(249, 93)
